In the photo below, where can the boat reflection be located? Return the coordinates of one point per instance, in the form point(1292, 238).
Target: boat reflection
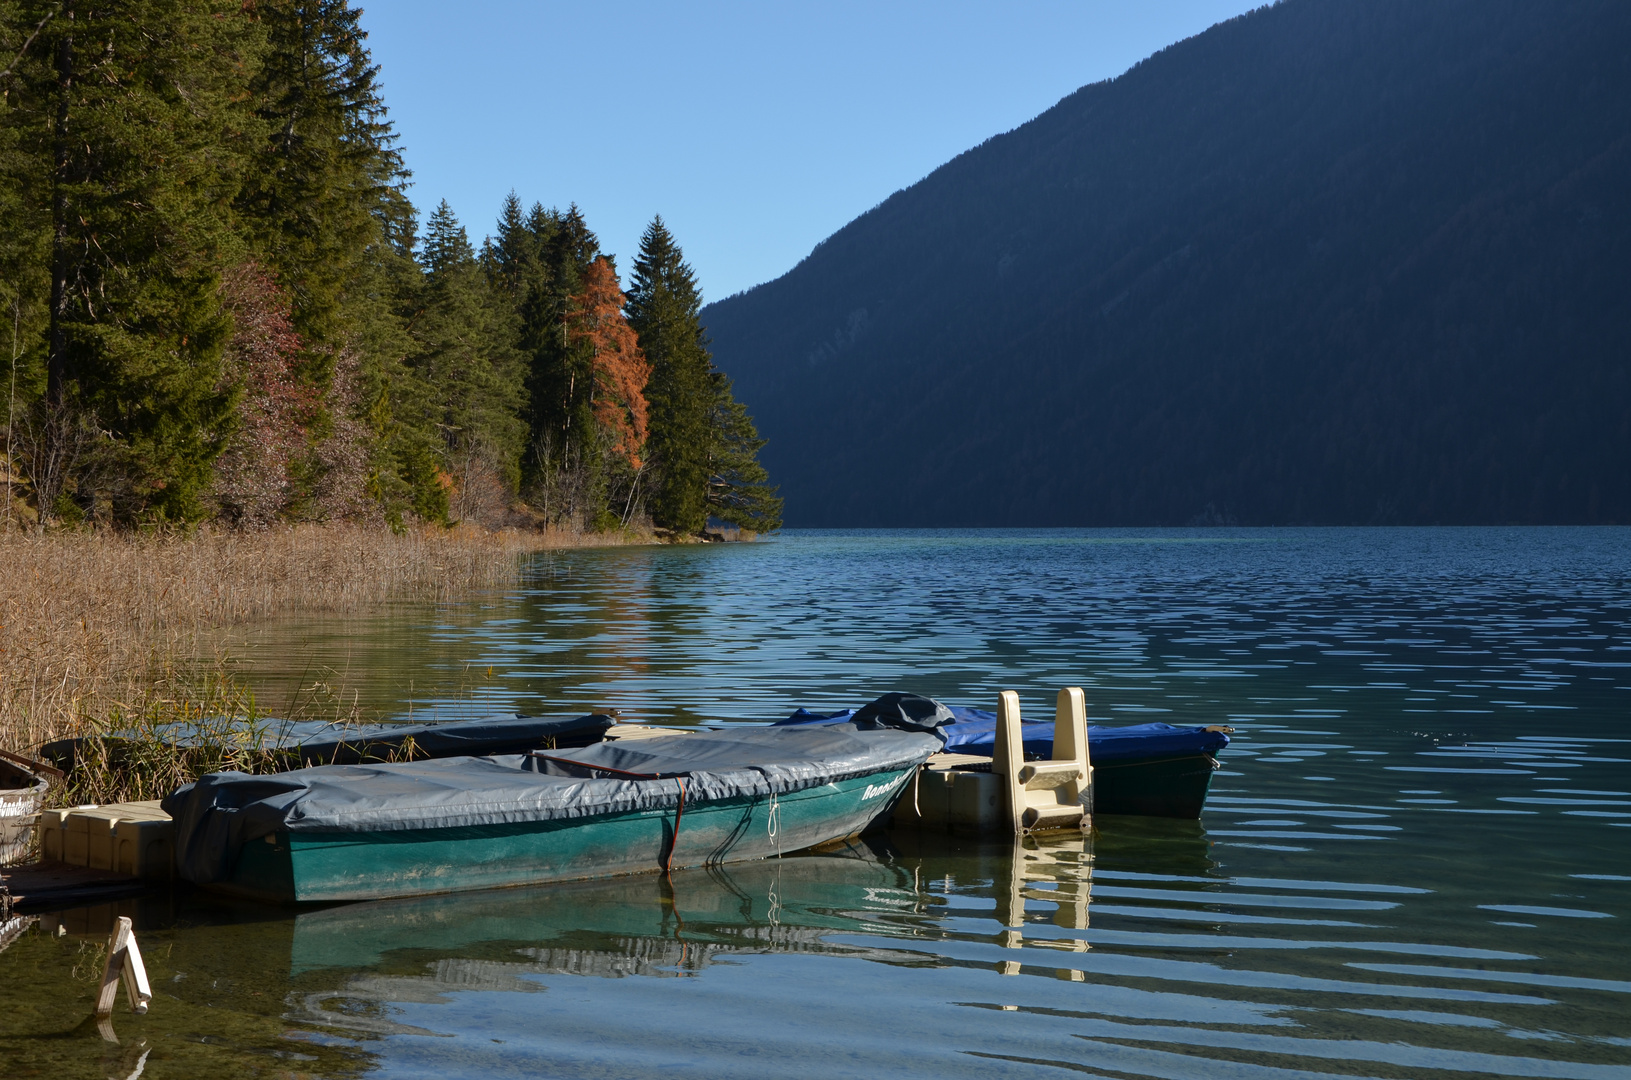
point(847, 902)
point(642, 925)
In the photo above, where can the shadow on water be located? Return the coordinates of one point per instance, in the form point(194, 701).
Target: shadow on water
point(1152, 845)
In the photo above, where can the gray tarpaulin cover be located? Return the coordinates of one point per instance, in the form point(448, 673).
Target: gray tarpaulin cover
point(219, 813)
point(314, 742)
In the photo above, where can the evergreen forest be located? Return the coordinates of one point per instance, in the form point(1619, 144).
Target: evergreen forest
point(1336, 262)
point(221, 304)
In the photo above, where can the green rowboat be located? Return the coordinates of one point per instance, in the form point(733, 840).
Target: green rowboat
point(358, 832)
point(291, 866)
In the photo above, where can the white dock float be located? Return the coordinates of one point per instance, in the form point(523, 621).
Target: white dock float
point(1006, 793)
point(135, 838)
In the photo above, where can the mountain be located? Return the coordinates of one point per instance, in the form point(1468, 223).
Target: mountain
point(1333, 261)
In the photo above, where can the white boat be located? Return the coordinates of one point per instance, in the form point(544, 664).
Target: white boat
point(23, 784)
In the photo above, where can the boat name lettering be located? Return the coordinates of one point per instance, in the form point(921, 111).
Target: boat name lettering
point(874, 790)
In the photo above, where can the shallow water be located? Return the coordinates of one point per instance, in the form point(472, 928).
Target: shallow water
point(1416, 862)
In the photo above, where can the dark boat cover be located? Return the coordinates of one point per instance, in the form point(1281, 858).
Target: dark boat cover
point(316, 742)
point(974, 731)
point(221, 812)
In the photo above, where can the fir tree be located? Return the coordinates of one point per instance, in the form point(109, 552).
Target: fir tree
point(389, 399)
point(466, 355)
point(324, 206)
point(513, 262)
point(545, 264)
point(739, 489)
point(146, 136)
point(315, 189)
point(663, 307)
point(561, 372)
point(25, 221)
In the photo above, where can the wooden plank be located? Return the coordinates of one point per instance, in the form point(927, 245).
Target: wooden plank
point(114, 968)
point(135, 973)
point(32, 764)
point(958, 761)
point(618, 732)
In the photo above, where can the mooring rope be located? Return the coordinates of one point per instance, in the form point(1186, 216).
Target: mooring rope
point(773, 823)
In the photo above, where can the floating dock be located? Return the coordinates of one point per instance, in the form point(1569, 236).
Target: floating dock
point(1005, 793)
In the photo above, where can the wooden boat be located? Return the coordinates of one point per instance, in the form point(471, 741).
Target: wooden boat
point(23, 784)
point(352, 832)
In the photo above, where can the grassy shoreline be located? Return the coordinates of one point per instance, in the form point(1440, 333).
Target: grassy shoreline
point(100, 629)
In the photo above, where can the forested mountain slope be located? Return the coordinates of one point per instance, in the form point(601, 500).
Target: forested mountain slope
point(1334, 261)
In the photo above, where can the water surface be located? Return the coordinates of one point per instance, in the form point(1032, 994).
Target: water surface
point(1416, 862)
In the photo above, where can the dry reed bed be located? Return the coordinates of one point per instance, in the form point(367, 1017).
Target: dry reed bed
point(96, 626)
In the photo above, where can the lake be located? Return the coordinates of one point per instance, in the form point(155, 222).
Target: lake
point(1416, 861)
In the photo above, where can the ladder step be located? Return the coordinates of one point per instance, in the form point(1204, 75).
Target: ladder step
point(1040, 775)
point(1053, 817)
point(1045, 794)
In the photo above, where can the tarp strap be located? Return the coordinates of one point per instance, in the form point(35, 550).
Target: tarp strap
point(679, 811)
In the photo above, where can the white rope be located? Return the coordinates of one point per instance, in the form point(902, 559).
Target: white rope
point(774, 824)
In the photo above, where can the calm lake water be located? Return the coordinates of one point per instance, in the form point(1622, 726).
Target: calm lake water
point(1416, 862)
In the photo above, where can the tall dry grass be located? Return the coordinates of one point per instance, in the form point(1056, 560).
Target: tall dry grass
point(98, 629)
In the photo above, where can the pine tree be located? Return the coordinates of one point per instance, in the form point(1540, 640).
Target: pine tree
point(664, 306)
point(465, 353)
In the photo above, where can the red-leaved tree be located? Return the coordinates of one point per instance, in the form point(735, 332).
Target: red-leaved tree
point(620, 368)
point(252, 477)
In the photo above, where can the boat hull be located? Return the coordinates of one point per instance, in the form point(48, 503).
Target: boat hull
point(22, 794)
point(310, 866)
point(1172, 787)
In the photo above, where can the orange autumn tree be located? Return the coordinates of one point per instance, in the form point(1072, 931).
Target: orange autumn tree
point(620, 369)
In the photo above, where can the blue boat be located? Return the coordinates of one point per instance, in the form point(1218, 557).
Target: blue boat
point(1147, 770)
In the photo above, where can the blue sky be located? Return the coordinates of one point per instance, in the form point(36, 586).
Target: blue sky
point(755, 129)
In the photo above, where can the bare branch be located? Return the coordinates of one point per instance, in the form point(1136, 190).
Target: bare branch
point(10, 68)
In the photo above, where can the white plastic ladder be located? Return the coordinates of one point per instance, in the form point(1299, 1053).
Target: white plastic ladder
point(1045, 794)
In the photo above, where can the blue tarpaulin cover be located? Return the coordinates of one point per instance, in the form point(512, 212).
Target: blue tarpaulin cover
point(974, 731)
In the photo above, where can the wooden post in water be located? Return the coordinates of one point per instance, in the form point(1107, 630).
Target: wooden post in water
point(124, 964)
